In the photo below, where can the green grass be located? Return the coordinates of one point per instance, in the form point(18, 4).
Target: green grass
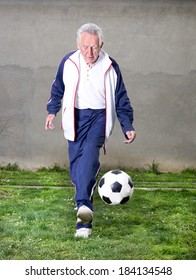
point(56, 176)
point(40, 223)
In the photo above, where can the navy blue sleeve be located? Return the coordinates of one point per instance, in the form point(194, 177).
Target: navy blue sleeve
point(124, 109)
point(57, 90)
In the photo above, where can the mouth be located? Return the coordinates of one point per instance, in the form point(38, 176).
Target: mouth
point(91, 59)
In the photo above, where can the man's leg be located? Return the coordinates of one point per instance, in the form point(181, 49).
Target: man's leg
point(84, 160)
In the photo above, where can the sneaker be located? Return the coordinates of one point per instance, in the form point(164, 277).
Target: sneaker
point(85, 214)
point(83, 232)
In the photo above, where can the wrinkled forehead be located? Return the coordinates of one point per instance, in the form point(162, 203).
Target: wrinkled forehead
point(89, 39)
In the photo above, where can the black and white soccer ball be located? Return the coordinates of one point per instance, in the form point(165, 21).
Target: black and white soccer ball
point(115, 187)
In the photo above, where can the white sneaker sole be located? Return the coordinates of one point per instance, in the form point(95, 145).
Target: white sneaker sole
point(85, 214)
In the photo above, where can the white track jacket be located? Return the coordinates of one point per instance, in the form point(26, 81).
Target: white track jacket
point(64, 88)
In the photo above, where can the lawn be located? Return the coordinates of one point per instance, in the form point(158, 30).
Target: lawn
point(39, 223)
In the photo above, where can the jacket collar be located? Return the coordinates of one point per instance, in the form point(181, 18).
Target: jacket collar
point(75, 57)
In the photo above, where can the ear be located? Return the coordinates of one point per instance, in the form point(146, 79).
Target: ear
point(101, 45)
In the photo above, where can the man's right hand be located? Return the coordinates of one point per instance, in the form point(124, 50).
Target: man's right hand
point(49, 122)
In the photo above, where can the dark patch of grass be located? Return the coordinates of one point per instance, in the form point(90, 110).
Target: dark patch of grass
point(54, 168)
point(10, 167)
point(189, 171)
point(154, 168)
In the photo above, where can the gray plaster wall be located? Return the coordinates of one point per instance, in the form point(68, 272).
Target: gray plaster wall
point(154, 43)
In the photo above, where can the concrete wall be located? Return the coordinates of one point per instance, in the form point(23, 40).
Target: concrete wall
point(154, 42)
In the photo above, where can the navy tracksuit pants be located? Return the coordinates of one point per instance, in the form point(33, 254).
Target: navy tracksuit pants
point(84, 153)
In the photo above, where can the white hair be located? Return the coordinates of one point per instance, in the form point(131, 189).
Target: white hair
point(90, 28)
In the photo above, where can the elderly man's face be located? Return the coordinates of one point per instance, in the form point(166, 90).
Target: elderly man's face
point(89, 47)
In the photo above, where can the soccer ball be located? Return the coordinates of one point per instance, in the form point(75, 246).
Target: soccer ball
point(115, 187)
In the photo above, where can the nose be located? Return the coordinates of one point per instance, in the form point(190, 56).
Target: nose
point(90, 50)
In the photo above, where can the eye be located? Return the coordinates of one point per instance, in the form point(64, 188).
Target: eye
point(84, 47)
point(94, 47)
